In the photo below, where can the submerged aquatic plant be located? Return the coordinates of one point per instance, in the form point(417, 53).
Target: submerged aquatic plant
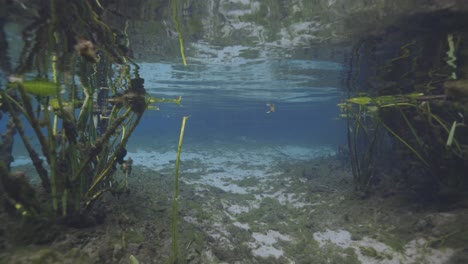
point(405, 112)
point(83, 107)
point(179, 33)
point(175, 211)
point(367, 117)
point(410, 120)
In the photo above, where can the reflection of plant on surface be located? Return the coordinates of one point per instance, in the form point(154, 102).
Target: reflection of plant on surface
point(82, 108)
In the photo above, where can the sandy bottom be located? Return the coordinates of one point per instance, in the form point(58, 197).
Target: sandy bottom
point(241, 177)
point(255, 203)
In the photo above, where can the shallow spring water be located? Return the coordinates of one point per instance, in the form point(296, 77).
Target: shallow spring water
point(260, 186)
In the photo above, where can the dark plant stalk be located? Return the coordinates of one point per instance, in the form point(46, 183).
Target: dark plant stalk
point(99, 143)
point(52, 162)
point(355, 146)
point(34, 122)
point(6, 145)
point(352, 153)
point(368, 160)
point(36, 160)
point(410, 126)
point(111, 161)
point(393, 133)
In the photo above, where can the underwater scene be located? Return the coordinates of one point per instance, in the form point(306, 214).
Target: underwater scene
point(234, 131)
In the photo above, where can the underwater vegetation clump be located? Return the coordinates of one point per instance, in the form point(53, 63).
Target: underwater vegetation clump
point(406, 116)
point(82, 106)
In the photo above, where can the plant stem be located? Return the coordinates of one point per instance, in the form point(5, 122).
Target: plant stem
point(110, 163)
point(36, 160)
point(34, 122)
point(406, 144)
point(175, 255)
point(98, 145)
point(181, 40)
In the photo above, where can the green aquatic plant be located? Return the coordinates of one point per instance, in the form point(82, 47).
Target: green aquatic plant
point(451, 137)
point(359, 100)
point(373, 253)
point(73, 154)
point(451, 56)
point(403, 99)
point(366, 115)
point(82, 108)
point(176, 101)
point(133, 260)
point(356, 110)
point(179, 33)
point(175, 211)
point(38, 87)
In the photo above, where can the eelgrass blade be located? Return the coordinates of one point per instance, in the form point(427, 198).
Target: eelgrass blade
point(175, 254)
point(406, 144)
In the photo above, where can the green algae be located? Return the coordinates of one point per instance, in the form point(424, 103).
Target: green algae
point(134, 236)
point(373, 253)
point(455, 238)
point(396, 243)
point(247, 182)
point(332, 206)
point(46, 255)
point(307, 252)
point(270, 213)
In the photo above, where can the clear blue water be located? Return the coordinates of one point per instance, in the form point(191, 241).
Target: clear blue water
point(227, 101)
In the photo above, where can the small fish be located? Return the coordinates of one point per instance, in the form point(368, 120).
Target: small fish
point(271, 108)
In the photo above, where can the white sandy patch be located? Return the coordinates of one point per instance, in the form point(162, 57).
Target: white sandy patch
point(263, 246)
point(220, 157)
point(237, 162)
point(244, 226)
point(222, 180)
point(237, 209)
point(415, 251)
point(191, 220)
point(228, 165)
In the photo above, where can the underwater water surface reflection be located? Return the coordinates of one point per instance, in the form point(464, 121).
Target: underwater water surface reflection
point(230, 100)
